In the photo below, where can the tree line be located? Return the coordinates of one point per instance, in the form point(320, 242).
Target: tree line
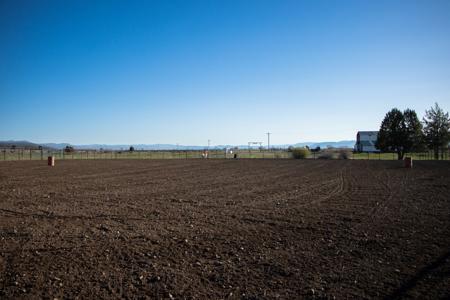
point(403, 132)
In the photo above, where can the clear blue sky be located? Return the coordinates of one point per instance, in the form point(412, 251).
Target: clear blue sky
point(188, 71)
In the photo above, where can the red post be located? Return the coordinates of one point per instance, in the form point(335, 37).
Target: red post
point(51, 161)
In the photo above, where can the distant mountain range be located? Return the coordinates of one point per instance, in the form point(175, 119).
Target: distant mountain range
point(21, 144)
point(30, 145)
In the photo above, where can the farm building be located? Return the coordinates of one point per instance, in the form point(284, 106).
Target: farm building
point(365, 141)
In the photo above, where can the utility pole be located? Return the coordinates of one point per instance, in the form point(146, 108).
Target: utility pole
point(268, 140)
point(209, 142)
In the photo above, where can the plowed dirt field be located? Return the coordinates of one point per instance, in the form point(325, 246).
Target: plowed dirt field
point(212, 229)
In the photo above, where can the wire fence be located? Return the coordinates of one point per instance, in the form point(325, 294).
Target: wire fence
point(7, 154)
point(37, 154)
point(445, 155)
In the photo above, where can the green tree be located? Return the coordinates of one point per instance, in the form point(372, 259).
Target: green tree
point(437, 127)
point(400, 132)
point(415, 139)
point(391, 136)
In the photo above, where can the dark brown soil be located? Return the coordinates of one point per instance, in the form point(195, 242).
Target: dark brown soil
point(215, 229)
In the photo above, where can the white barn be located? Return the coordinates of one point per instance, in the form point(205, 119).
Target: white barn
point(365, 141)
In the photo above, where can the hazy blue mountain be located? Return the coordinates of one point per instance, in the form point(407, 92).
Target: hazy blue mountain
point(339, 144)
point(127, 146)
point(56, 145)
point(26, 144)
point(21, 144)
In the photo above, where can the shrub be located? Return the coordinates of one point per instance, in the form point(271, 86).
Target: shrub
point(326, 155)
point(344, 154)
point(300, 153)
point(69, 149)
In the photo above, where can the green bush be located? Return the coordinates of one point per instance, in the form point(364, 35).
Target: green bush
point(300, 153)
point(344, 154)
point(326, 155)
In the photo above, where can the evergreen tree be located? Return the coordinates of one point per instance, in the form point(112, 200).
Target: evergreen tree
point(392, 136)
point(400, 132)
point(415, 140)
point(437, 127)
